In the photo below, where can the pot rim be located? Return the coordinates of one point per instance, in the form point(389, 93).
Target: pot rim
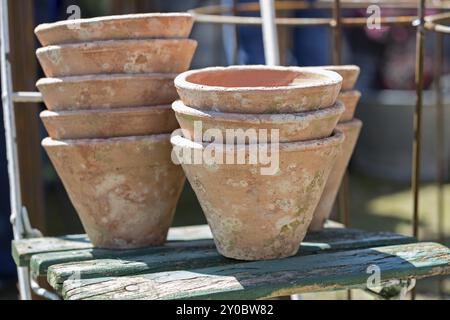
point(48, 26)
point(350, 94)
point(336, 110)
point(50, 142)
point(116, 111)
point(344, 67)
point(353, 123)
point(331, 79)
point(337, 138)
point(104, 77)
point(100, 43)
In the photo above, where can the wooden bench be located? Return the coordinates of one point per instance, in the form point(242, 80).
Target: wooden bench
point(189, 267)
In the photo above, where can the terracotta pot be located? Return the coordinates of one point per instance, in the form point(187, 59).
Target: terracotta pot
point(107, 91)
point(125, 190)
point(292, 127)
point(125, 56)
point(254, 216)
point(349, 73)
point(350, 99)
point(351, 131)
point(126, 122)
point(259, 89)
point(133, 26)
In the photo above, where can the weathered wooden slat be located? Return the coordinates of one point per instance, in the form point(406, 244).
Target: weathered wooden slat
point(23, 250)
point(264, 279)
point(41, 262)
point(187, 255)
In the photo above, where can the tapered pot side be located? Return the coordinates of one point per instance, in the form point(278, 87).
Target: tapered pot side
point(350, 99)
point(351, 131)
point(349, 73)
point(107, 91)
point(132, 26)
point(289, 127)
point(125, 190)
point(259, 89)
point(94, 124)
point(254, 216)
point(117, 56)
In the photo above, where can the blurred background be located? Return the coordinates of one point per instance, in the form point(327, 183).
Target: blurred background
point(379, 180)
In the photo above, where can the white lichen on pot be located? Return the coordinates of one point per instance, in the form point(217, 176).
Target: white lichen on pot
point(107, 91)
point(350, 99)
point(130, 26)
point(349, 73)
point(291, 127)
point(109, 123)
point(117, 56)
point(258, 89)
point(125, 190)
point(256, 216)
point(323, 211)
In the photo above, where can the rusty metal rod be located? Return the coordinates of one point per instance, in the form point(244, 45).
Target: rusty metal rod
point(420, 52)
point(337, 33)
point(343, 201)
point(216, 10)
point(440, 142)
point(420, 34)
point(236, 36)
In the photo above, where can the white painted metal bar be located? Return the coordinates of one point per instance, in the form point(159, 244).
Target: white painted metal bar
point(11, 145)
point(27, 97)
point(270, 34)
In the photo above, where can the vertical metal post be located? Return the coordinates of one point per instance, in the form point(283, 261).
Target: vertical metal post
point(420, 52)
point(11, 145)
point(418, 116)
point(270, 35)
point(337, 33)
point(343, 201)
point(236, 36)
point(440, 143)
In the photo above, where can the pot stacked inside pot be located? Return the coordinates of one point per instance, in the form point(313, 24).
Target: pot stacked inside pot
point(108, 91)
point(257, 145)
point(351, 128)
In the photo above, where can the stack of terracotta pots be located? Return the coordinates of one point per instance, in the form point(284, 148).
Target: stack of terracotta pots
point(261, 209)
point(108, 94)
point(351, 128)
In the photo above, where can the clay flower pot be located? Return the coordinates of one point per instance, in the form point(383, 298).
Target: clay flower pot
point(125, 190)
point(107, 91)
point(350, 100)
point(292, 127)
point(254, 216)
point(259, 89)
point(349, 73)
point(351, 131)
point(133, 26)
point(91, 124)
point(117, 56)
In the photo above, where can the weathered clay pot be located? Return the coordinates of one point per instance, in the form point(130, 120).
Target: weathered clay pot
point(133, 26)
point(259, 89)
point(350, 100)
point(124, 56)
point(349, 73)
point(126, 122)
point(292, 126)
point(107, 91)
point(351, 131)
point(125, 190)
point(254, 216)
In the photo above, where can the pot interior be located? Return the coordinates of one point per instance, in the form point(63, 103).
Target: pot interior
point(250, 78)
